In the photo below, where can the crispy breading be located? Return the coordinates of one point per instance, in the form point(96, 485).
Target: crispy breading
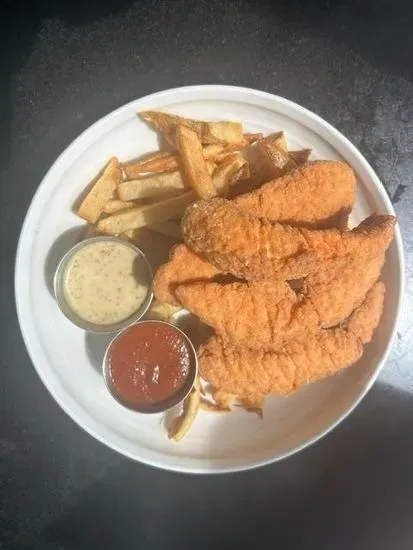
point(254, 314)
point(243, 371)
point(319, 195)
point(269, 313)
point(254, 249)
point(340, 286)
point(183, 266)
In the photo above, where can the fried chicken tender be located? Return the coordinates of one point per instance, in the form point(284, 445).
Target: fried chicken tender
point(318, 195)
point(246, 372)
point(250, 313)
point(270, 313)
point(183, 266)
point(254, 249)
point(340, 286)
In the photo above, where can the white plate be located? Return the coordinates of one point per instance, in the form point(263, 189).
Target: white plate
point(68, 360)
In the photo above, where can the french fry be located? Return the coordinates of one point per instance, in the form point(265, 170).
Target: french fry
point(154, 187)
point(147, 214)
point(186, 419)
point(278, 141)
point(221, 132)
point(246, 141)
point(169, 228)
point(101, 192)
point(209, 151)
point(114, 205)
point(225, 172)
point(278, 161)
point(159, 162)
point(208, 132)
point(211, 166)
point(161, 311)
point(301, 156)
point(193, 162)
point(166, 162)
point(243, 173)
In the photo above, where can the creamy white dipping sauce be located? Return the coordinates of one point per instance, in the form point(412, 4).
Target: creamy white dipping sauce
point(105, 282)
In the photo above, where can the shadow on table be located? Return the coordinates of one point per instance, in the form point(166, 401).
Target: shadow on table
point(351, 490)
point(19, 24)
point(377, 30)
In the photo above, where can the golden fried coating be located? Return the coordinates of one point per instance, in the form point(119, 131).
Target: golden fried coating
point(183, 266)
point(318, 195)
point(254, 249)
point(245, 372)
point(254, 314)
point(269, 313)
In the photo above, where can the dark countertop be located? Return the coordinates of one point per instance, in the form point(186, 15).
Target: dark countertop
point(64, 65)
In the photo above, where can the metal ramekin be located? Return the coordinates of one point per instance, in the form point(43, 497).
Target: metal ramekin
point(174, 399)
point(77, 319)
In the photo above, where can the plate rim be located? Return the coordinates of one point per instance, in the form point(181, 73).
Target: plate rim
point(212, 89)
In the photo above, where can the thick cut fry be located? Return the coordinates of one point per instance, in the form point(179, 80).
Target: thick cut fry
point(194, 163)
point(147, 214)
point(117, 206)
point(170, 228)
point(101, 192)
point(208, 132)
point(225, 173)
point(278, 141)
point(158, 162)
point(211, 166)
point(154, 187)
point(243, 173)
point(278, 160)
point(161, 311)
point(300, 157)
point(166, 162)
point(191, 406)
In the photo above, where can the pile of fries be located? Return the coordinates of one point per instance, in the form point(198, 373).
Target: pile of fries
point(143, 201)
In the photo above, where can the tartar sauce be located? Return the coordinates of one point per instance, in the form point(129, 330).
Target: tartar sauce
point(105, 282)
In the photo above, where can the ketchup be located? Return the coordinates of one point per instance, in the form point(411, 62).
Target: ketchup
point(148, 363)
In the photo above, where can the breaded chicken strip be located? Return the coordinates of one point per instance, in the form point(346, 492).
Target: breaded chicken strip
point(246, 372)
point(183, 266)
point(250, 313)
point(254, 249)
point(340, 286)
point(269, 313)
point(318, 195)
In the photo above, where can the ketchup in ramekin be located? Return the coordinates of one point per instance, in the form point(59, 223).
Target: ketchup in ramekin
point(150, 366)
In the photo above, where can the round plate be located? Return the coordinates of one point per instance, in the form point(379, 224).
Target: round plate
point(68, 360)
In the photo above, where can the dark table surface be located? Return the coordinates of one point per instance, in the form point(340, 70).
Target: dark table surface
point(63, 66)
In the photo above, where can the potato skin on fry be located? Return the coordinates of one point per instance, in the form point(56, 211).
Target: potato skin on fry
point(156, 186)
point(194, 163)
point(208, 132)
point(147, 214)
point(101, 192)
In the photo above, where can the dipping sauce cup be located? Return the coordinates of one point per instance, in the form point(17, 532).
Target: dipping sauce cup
point(150, 366)
point(103, 284)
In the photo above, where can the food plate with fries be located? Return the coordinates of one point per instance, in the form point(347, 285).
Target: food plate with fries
point(252, 214)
